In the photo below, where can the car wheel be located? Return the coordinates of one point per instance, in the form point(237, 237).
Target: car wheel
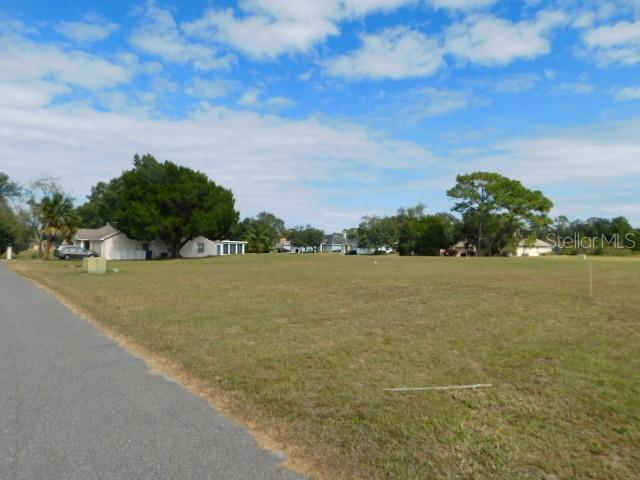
point(67, 257)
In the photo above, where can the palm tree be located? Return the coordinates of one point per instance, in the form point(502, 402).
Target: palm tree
point(58, 217)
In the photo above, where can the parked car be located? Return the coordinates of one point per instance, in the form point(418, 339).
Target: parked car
point(60, 248)
point(75, 252)
point(352, 252)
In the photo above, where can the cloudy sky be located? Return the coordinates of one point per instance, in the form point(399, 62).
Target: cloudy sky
point(322, 111)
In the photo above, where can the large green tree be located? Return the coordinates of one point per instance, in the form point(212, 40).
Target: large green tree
point(9, 228)
point(305, 236)
point(9, 225)
point(426, 234)
point(375, 232)
point(172, 203)
point(262, 232)
point(8, 189)
point(496, 209)
point(98, 209)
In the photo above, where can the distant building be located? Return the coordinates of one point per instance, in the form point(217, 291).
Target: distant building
point(462, 249)
point(283, 245)
point(337, 243)
point(112, 244)
point(535, 249)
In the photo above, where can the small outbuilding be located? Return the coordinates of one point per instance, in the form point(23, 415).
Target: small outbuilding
point(533, 249)
point(462, 249)
point(230, 247)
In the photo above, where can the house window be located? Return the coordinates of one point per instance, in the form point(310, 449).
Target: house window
point(226, 249)
point(233, 249)
point(201, 248)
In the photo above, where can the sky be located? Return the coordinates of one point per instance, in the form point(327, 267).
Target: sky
point(322, 111)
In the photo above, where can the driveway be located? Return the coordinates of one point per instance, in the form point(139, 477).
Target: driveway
point(75, 405)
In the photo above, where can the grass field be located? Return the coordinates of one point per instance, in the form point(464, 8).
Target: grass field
point(303, 347)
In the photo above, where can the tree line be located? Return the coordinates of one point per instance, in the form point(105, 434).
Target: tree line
point(153, 200)
point(496, 214)
point(163, 200)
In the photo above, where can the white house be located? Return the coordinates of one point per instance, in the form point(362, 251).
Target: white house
point(337, 243)
point(112, 244)
point(537, 248)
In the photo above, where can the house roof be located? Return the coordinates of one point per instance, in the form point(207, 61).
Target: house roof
point(333, 239)
point(463, 244)
point(96, 233)
point(537, 244)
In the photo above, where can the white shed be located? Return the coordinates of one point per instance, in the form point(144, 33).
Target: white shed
point(537, 248)
point(230, 247)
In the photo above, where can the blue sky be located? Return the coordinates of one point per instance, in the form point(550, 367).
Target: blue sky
point(324, 111)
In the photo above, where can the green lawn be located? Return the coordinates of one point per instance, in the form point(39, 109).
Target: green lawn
point(303, 347)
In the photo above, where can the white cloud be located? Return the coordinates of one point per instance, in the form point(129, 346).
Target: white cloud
point(279, 101)
point(395, 53)
point(10, 25)
point(87, 32)
point(574, 88)
point(164, 85)
point(210, 89)
point(489, 40)
point(626, 94)
point(597, 12)
point(29, 94)
point(432, 102)
point(258, 156)
point(266, 29)
point(515, 83)
point(249, 98)
point(22, 59)
point(409, 108)
point(461, 4)
point(616, 43)
point(159, 35)
point(254, 98)
point(261, 36)
point(579, 157)
point(359, 8)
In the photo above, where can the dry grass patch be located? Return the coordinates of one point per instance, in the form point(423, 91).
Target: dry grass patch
point(303, 346)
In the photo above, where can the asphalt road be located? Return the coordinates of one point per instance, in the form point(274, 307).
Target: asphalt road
point(75, 405)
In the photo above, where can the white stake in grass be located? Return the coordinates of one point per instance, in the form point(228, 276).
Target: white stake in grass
point(445, 387)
